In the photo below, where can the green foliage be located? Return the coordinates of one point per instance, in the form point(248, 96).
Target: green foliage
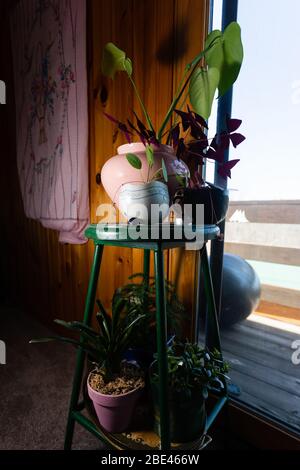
point(193, 368)
point(149, 154)
point(202, 90)
point(106, 346)
point(114, 60)
point(223, 54)
point(134, 160)
point(226, 54)
point(139, 299)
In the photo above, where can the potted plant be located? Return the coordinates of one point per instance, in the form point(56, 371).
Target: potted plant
point(195, 148)
point(215, 68)
point(114, 385)
point(139, 299)
point(193, 371)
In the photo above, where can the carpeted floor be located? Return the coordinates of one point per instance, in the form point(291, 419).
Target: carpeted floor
point(35, 386)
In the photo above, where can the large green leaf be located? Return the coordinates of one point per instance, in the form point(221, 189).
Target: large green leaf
point(225, 54)
point(202, 90)
point(214, 56)
point(114, 60)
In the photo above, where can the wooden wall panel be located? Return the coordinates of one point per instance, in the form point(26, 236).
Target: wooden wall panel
point(46, 278)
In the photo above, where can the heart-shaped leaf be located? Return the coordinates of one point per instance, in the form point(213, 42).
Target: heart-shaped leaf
point(233, 124)
point(134, 160)
point(114, 60)
point(226, 54)
point(225, 169)
point(237, 139)
point(202, 90)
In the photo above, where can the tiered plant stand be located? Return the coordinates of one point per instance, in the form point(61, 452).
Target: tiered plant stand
point(109, 235)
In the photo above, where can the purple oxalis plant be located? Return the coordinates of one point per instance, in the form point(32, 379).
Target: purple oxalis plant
point(190, 141)
point(199, 147)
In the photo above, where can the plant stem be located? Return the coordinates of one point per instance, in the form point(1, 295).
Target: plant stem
point(183, 83)
point(175, 122)
point(141, 103)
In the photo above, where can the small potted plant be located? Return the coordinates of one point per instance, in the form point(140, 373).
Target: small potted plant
point(192, 372)
point(114, 385)
point(137, 163)
point(195, 148)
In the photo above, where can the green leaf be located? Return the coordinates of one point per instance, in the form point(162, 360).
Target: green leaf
point(104, 320)
point(134, 160)
point(215, 55)
point(114, 60)
point(164, 170)
point(233, 57)
point(149, 155)
point(226, 55)
point(86, 347)
point(181, 180)
point(202, 90)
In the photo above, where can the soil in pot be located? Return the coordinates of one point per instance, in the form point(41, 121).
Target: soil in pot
point(114, 401)
point(130, 379)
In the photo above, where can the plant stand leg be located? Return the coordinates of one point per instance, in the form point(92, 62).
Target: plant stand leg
point(161, 337)
point(212, 333)
point(89, 306)
point(146, 266)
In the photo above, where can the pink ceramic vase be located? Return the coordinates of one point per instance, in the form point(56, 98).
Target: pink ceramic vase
point(117, 171)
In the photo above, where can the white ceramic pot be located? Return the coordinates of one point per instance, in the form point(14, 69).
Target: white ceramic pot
point(136, 199)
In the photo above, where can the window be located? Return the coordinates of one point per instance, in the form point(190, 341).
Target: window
point(264, 217)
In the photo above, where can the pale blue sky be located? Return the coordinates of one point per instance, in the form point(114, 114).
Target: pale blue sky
point(267, 99)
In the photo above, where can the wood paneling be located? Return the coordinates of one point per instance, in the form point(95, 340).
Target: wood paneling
point(46, 278)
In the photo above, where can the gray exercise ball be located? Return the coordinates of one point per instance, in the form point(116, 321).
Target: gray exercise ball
point(241, 290)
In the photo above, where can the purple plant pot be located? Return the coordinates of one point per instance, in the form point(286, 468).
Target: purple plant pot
point(114, 412)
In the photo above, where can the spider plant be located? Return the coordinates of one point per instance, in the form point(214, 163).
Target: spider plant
point(106, 346)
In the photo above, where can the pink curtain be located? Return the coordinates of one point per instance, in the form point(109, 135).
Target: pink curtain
point(49, 53)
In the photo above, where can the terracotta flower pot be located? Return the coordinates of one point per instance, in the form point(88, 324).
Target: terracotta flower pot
point(114, 412)
point(117, 171)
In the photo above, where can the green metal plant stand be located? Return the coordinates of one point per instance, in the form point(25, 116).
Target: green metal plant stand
point(111, 236)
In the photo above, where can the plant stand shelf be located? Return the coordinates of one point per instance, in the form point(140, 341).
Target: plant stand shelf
point(122, 235)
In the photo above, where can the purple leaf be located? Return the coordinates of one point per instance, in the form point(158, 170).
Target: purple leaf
point(224, 140)
point(184, 119)
point(153, 140)
point(133, 127)
point(225, 169)
point(197, 132)
point(127, 133)
point(201, 120)
point(237, 139)
point(175, 135)
point(180, 148)
point(111, 118)
point(197, 147)
point(120, 125)
point(217, 155)
point(141, 126)
point(214, 143)
point(233, 124)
